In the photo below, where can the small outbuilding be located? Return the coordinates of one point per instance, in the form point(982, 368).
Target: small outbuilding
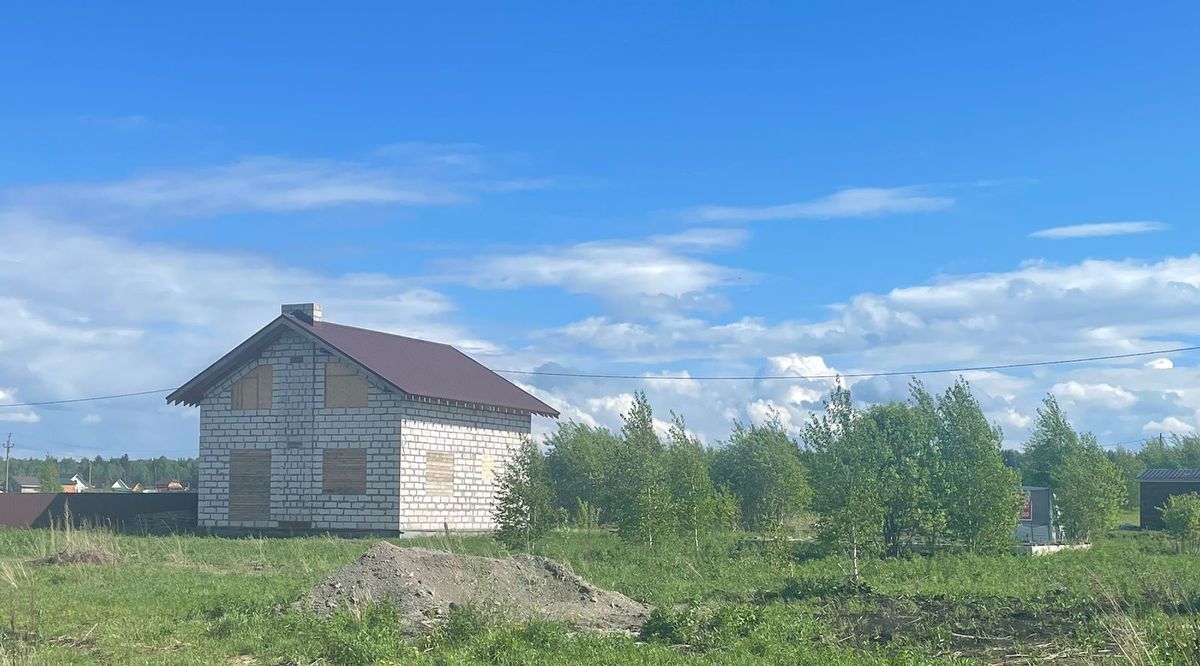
point(1037, 525)
point(26, 484)
point(1158, 485)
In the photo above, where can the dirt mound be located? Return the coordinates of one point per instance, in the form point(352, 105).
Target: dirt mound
point(425, 584)
point(87, 556)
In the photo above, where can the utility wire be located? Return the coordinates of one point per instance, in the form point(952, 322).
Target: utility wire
point(89, 399)
point(584, 375)
point(888, 373)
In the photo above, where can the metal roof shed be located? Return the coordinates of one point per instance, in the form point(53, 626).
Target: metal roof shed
point(1157, 485)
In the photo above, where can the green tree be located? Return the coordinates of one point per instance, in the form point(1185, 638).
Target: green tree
point(1181, 452)
point(697, 502)
point(844, 474)
point(1089, 491)
point(524, 507)
point(1181, 520)
point(642, 497)
point(760, 466)
point(580, 459)
point(48, 475)
point(977, 490)
point(1130, 467)
point(1051, 441)
point(903, 435)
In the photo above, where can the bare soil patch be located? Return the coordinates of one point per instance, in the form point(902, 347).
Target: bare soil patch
point(426, 584)
point(992, 630)
point(85, 556)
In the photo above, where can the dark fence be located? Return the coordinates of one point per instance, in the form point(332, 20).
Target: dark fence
point(143, 513)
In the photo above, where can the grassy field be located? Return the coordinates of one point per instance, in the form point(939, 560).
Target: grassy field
point(196, 600)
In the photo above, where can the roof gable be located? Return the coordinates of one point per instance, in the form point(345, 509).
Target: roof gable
point(413, 366)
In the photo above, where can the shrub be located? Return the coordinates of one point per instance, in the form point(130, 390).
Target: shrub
point(1181, 520)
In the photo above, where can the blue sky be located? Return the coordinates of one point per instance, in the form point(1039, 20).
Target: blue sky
point(710, 190)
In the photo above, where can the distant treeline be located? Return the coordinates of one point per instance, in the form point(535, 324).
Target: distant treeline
point(101, 472)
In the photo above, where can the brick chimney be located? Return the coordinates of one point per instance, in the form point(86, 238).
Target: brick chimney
point(304, 311)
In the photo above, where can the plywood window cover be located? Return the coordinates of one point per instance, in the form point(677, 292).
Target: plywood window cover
point(439, 473)
point(344, 472)
point(249, 485)
point(344, 387)
point(253, 390)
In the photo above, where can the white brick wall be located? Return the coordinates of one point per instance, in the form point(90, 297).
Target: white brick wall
point(471, 436)
point(396, 431)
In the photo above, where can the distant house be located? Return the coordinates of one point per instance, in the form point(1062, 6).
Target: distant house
point(168, 485)
point(310, 425)
point(72, 484)
point(137, 488)
point(119, 486)
point(26, 484)
point(1158, 485)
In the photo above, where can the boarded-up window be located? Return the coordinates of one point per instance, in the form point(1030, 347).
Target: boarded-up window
point(487, 469)
point(249, 484)
point(253, 390)
point(344, 472)
point(343, 386)
point(439, 474)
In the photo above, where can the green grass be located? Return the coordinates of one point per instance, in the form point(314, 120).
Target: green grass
point(199, 600)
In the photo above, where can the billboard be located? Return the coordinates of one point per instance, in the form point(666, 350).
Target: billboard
point(1026, 506)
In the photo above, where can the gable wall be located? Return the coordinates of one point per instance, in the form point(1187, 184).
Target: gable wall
point(296, 430)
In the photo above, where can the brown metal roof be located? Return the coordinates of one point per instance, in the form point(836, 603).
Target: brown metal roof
point(1170, 475)
point(417, 367)
point(425, 368)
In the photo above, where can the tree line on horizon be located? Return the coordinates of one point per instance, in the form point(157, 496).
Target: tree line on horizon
point(883, 479)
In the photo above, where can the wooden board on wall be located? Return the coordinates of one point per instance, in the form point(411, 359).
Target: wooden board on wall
point(249, 484)
point(344, 472)
point(344, 387)
point(439, 473)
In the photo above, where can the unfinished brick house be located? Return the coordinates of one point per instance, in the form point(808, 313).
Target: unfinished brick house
point(315, 426)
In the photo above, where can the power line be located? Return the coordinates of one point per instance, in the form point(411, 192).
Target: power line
point(887, 373)
point(89, 399)
point(584, 375)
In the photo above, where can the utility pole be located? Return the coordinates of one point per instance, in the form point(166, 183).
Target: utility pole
point(7, 450)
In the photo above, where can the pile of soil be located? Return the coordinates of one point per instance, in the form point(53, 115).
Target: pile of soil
point(426, 584)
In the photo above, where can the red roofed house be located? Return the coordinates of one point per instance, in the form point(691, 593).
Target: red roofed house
point(310, 425)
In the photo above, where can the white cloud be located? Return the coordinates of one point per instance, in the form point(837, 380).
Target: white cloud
point(701, 239)
point(431, 176)
point(640, 276)
point(764, 410)
point(1170, 424)
point(1099, 229)
point(1016, 419)
point(8, 396)
point(850, 202)
point(151, 316)
point(1160, 364)
point(1104, 395)
point(91, 419)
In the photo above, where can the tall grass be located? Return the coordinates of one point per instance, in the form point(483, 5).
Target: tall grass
point(201, 600)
